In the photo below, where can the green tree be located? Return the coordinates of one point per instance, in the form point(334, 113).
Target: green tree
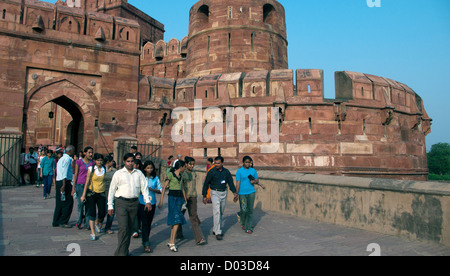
point(439, 159)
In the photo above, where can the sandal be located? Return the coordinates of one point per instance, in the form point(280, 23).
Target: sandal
point(172, 247)
point(201, 242)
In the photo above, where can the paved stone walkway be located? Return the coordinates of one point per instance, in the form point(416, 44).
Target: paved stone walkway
point(25, 230)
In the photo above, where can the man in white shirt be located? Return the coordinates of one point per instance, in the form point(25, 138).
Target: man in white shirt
point(123, 199)
point(178, 158)
point(64, 199)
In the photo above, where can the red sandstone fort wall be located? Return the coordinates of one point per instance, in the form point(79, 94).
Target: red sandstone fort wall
point(224, 37)
point(151, 29)
point(164, 60)
point(232, 36)
point(375, 126)
point(86, 62)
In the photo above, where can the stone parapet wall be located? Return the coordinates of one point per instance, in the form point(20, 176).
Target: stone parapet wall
point(411, 209)
point(415, 210)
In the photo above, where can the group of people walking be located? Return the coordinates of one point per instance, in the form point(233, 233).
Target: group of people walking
point(41, 168)
point(130, 194)
point(181, 181)
point(86, 181)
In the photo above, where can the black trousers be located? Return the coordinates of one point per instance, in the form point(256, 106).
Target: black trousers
point(63, 209)
point(126, 213)
point(96, 202)
point(33, 174)
point(146, 218)
point(22, 175)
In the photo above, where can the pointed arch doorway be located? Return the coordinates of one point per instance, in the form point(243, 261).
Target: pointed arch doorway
point(61, 111)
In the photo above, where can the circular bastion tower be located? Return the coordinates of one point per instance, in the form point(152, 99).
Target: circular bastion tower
point(236, 36)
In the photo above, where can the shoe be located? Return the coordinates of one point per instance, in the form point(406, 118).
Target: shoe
point(219, 237)
point(135, 235)
point(249, 232)
point(65, 226)
point(147, 249)
point(202, 242)
point(172, 247)
point(97, 228)
point(92, 237)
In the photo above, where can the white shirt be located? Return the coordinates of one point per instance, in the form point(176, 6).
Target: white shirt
point(22, 159)
point(31, 158)
point(39, 161)
point(64, 168)
point(97, 171)
point(128, 185)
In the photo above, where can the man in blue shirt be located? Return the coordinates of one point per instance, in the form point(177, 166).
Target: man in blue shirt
point(246, 178)
point(64, 199)
point(47, 172)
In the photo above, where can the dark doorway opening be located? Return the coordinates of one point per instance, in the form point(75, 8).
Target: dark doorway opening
point(59, 122)
point(74, 129)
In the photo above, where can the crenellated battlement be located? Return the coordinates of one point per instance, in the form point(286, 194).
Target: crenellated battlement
point(164, 51)
point(280, 87)
point(48, 21)
point(165, 59)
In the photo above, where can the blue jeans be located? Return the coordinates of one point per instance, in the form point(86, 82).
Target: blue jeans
point(48, 179)
point(82, 208)
point(109, 219)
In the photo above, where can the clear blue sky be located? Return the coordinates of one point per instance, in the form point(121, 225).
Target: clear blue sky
point(405, 40)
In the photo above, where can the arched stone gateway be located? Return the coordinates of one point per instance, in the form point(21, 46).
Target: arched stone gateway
point(78, 100)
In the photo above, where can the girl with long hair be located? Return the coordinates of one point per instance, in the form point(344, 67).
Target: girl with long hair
point(146, 217)
point(177, 200)
point(246, 178)
point(79, 179)
point(94, 193)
